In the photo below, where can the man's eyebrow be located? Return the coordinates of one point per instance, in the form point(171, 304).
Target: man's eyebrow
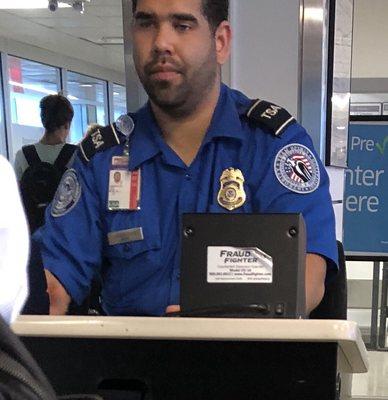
point(184, 17)
point(143, 15)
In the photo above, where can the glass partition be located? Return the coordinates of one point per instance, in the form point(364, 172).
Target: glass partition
point(119, 101)
point(28, 82)
point(89, 98)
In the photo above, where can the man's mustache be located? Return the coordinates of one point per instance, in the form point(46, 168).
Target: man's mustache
point(162, 65)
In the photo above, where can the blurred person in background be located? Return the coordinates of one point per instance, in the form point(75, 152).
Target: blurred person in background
point(56, 113)
point(40, 166)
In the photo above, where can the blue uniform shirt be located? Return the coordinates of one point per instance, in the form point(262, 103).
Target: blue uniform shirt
point(142, 277)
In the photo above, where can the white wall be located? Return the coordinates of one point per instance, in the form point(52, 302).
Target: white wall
point(265, 55)
point(370, 41)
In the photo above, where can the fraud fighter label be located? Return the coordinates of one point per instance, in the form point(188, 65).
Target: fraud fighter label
point(238, 265)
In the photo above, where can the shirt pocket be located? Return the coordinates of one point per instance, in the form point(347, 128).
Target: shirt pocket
point(132, 249)
point(128, 266)
point(123, 221)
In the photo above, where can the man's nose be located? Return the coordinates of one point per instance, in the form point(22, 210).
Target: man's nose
point(163, 43)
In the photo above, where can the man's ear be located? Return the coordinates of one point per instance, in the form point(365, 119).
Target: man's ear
point(223, 37)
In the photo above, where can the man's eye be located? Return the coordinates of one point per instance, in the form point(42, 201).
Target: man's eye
point(182, 27)
point(144, 24)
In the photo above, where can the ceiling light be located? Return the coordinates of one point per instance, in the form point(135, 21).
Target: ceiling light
point(27, 4)
point(116, 94)
point(86, 85)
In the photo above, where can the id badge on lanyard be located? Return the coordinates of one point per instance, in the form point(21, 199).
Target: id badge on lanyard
point(124, 186)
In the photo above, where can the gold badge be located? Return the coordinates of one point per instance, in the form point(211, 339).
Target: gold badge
point(231, 194)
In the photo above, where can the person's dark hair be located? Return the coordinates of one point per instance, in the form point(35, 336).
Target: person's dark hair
point(55, 112)
point(215, 11)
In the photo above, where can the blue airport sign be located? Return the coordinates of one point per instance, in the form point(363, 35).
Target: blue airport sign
point(366, 190)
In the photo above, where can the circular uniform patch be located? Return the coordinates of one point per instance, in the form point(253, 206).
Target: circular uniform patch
point(297, 168)
point(67, 195)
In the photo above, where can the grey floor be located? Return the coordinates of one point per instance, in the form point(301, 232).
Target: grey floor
point(374, 384)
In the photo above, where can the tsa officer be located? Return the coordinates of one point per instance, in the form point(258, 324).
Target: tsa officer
point(196, 146)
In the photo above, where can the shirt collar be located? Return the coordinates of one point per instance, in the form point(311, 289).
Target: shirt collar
point(145, 142)
point(226, 121)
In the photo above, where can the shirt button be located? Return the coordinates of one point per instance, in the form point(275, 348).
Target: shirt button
point(188, 177)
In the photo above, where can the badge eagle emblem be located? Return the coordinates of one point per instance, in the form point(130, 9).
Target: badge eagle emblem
point(232, 194)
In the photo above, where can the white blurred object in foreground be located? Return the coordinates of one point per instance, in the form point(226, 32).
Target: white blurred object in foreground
point(14, 245)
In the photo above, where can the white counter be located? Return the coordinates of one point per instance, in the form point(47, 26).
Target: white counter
point(352, 351)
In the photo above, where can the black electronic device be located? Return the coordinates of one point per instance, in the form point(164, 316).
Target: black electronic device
point(243, 265)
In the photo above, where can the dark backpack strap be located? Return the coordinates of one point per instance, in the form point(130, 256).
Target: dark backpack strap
point(65, 155)
point(31, 155)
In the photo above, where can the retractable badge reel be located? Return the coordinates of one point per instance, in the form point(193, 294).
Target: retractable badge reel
point(124, 185)
point(126, 126)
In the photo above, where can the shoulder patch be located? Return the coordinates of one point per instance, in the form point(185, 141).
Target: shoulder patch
point(67, 195)
point(100, 140)
point(297, 169)
point(273, 117)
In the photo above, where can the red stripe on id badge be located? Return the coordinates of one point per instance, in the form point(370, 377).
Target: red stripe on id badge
point(134, 191)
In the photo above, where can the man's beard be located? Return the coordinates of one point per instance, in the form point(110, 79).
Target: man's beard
point(181, 100)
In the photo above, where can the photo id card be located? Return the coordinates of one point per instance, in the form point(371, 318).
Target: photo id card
point(124, 186)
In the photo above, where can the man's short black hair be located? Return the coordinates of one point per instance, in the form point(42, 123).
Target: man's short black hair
point(215, 11)
point(55, 112)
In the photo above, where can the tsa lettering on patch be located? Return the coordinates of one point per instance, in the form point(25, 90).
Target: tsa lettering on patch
point(124, 186)
point(297, 169)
